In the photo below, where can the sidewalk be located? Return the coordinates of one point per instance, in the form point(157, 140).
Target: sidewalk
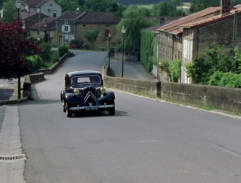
point(132, 69)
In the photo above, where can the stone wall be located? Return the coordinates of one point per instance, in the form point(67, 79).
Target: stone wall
point(228, 99)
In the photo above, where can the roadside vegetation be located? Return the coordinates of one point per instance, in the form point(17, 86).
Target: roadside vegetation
point(220, 67)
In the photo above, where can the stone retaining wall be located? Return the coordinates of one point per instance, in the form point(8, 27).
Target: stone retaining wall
point(228, 99)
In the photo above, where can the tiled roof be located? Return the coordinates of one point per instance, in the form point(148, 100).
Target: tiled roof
point(177, 26)
point(45, 24)
point(70, 15)
point(35, 3)
point(200, 18)
point(99, 17)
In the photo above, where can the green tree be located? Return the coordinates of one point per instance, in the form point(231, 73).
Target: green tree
point(148, 49)
point(134, 20)
point(70, 5)
point(10, 11)
point(103, 6)
point(167, 8)
point(91, 36)
point(197, 5)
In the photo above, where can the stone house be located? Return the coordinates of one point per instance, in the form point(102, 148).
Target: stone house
point(189, 37)
point(72, 25)
point(45, 30)
point(66, 26)
point(49, 8)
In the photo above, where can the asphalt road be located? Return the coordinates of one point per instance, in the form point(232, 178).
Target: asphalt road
point(147, 141)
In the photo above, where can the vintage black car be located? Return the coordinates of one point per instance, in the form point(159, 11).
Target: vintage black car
point(84, 91)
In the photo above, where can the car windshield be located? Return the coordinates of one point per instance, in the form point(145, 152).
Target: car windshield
point(90, 79)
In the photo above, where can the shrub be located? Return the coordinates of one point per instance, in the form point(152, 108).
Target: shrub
point(63, 49)
point(175, 70)
point(76, 43)
point(54, 57)
point(227, 79)
point(165, 65)
point(35, 63)
point(45, 53)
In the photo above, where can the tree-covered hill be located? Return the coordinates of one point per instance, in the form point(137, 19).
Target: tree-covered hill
point(129, 2)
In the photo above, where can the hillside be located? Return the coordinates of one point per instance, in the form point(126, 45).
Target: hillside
point(131, 2)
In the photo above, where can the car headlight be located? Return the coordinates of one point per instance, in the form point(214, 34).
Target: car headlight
point(76, 92)
point(103, 90)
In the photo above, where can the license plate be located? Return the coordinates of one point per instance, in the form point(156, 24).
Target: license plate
point(91, 108)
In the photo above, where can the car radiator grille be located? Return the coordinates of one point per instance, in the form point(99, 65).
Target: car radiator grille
point(90, 97)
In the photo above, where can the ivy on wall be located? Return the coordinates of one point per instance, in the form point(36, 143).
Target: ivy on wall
point(148, 49)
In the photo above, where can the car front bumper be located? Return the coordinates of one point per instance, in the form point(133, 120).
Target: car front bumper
point(91, 108)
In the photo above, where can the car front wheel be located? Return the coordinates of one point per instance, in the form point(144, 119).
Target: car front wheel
point(112, 111)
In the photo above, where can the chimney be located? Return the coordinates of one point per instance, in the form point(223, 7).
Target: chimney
point(225, 6)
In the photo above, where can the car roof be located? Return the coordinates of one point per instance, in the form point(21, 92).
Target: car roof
point(84, 72)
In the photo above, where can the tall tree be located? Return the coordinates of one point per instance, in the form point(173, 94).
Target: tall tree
point(103, 6)
point(70, 5)
point(167, 8)
point(91, 36)
point(14, 48)
point(10, 11)
point(134, 20)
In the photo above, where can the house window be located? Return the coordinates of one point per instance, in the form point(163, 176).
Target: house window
point(107, 33)
point(54, 14)
point(65, 28)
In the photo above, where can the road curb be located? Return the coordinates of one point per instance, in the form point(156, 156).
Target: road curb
point(12, 159)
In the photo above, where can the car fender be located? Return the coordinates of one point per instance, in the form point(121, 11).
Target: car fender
point(110, 95)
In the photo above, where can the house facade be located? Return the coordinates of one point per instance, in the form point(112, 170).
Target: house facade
point(45, 30)
point(66, 26)
point(189, 37)
point(73, 25)
point(49, 8)
point(105, 23)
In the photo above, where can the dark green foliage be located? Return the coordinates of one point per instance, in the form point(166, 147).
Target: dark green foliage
point(165, 65)
point(35, 63)
point(148, 49)
point(54, 57)
point(227, 79)
point(77, 43)
point(10, 11)
point(217, 59)
point(45, 52)
point(91, 36)
point(175, 70)
point(63, 48)
point(167, 8)
point(134, 20)
point(197, 5)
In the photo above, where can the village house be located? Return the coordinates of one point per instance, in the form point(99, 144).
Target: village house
point(66, 26)
point(45, 30)
point(105, 22)
point(72, 25)
point(49, 8)
point(188, 38)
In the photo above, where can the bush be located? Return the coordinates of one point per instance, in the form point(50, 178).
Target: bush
point(63, 49)
point(35, 63)
point(76, 44)
point(165, 65)
point(45, 53)
point(175, 70)
point(227, 79)
point(54, 57)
